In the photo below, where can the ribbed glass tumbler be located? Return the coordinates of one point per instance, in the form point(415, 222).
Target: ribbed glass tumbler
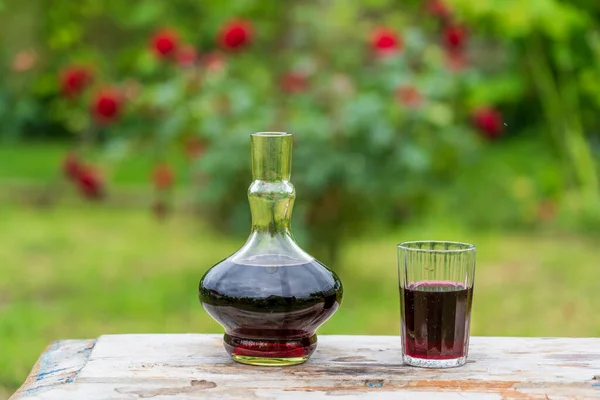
point(436, 293)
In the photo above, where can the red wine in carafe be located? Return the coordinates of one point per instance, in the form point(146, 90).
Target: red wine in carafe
point(270, 311)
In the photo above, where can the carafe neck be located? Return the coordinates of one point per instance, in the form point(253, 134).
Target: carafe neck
point(271, 206)
point(271, 195)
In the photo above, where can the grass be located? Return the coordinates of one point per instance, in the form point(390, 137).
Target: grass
point(81, 270)
point(88, 270)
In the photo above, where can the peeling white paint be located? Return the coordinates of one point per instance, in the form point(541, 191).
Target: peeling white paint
point(343, 367)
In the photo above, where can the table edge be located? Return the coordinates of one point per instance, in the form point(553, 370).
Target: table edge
point(53, 367)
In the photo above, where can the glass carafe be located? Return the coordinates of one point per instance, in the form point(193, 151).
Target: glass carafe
point(270, 296)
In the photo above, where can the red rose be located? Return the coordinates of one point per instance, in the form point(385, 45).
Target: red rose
point(236, 34)
point(162, 176)
point(294, 82)
point(106, 106)
point(187, 55)
point(90, 184)
point(439, 8)
point(214, 62)
point(74, 79)
point(385, 41)
point(488, 121)
point(456, 60)
point(194, 147)
point(24, 60)
point(164, 42)
point(455, 37)
point(409, 96)
point(72, 166)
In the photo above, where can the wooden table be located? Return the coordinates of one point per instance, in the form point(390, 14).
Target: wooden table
point(343, 367)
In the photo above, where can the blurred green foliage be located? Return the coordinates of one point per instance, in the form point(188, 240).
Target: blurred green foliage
point(379, 138)
point(121, 272)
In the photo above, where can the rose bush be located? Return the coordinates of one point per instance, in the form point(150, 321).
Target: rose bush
point(390, 107)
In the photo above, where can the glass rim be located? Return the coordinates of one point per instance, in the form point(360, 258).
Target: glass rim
point(463, 246)
point(271, 134)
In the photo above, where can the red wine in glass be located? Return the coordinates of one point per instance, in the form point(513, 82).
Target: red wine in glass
point(435, 320)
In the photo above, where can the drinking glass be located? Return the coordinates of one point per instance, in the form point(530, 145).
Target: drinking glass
point(436, 293)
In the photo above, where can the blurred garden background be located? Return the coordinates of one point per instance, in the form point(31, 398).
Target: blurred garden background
point(125, 156)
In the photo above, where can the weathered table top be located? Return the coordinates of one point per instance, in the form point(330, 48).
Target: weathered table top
point(347, 367)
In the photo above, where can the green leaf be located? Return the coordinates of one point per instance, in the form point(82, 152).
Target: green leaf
point(146, 13)
point(439, 114)
point(415, 158)
point(500, 89)
point(517, 18)
point(65, 36)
